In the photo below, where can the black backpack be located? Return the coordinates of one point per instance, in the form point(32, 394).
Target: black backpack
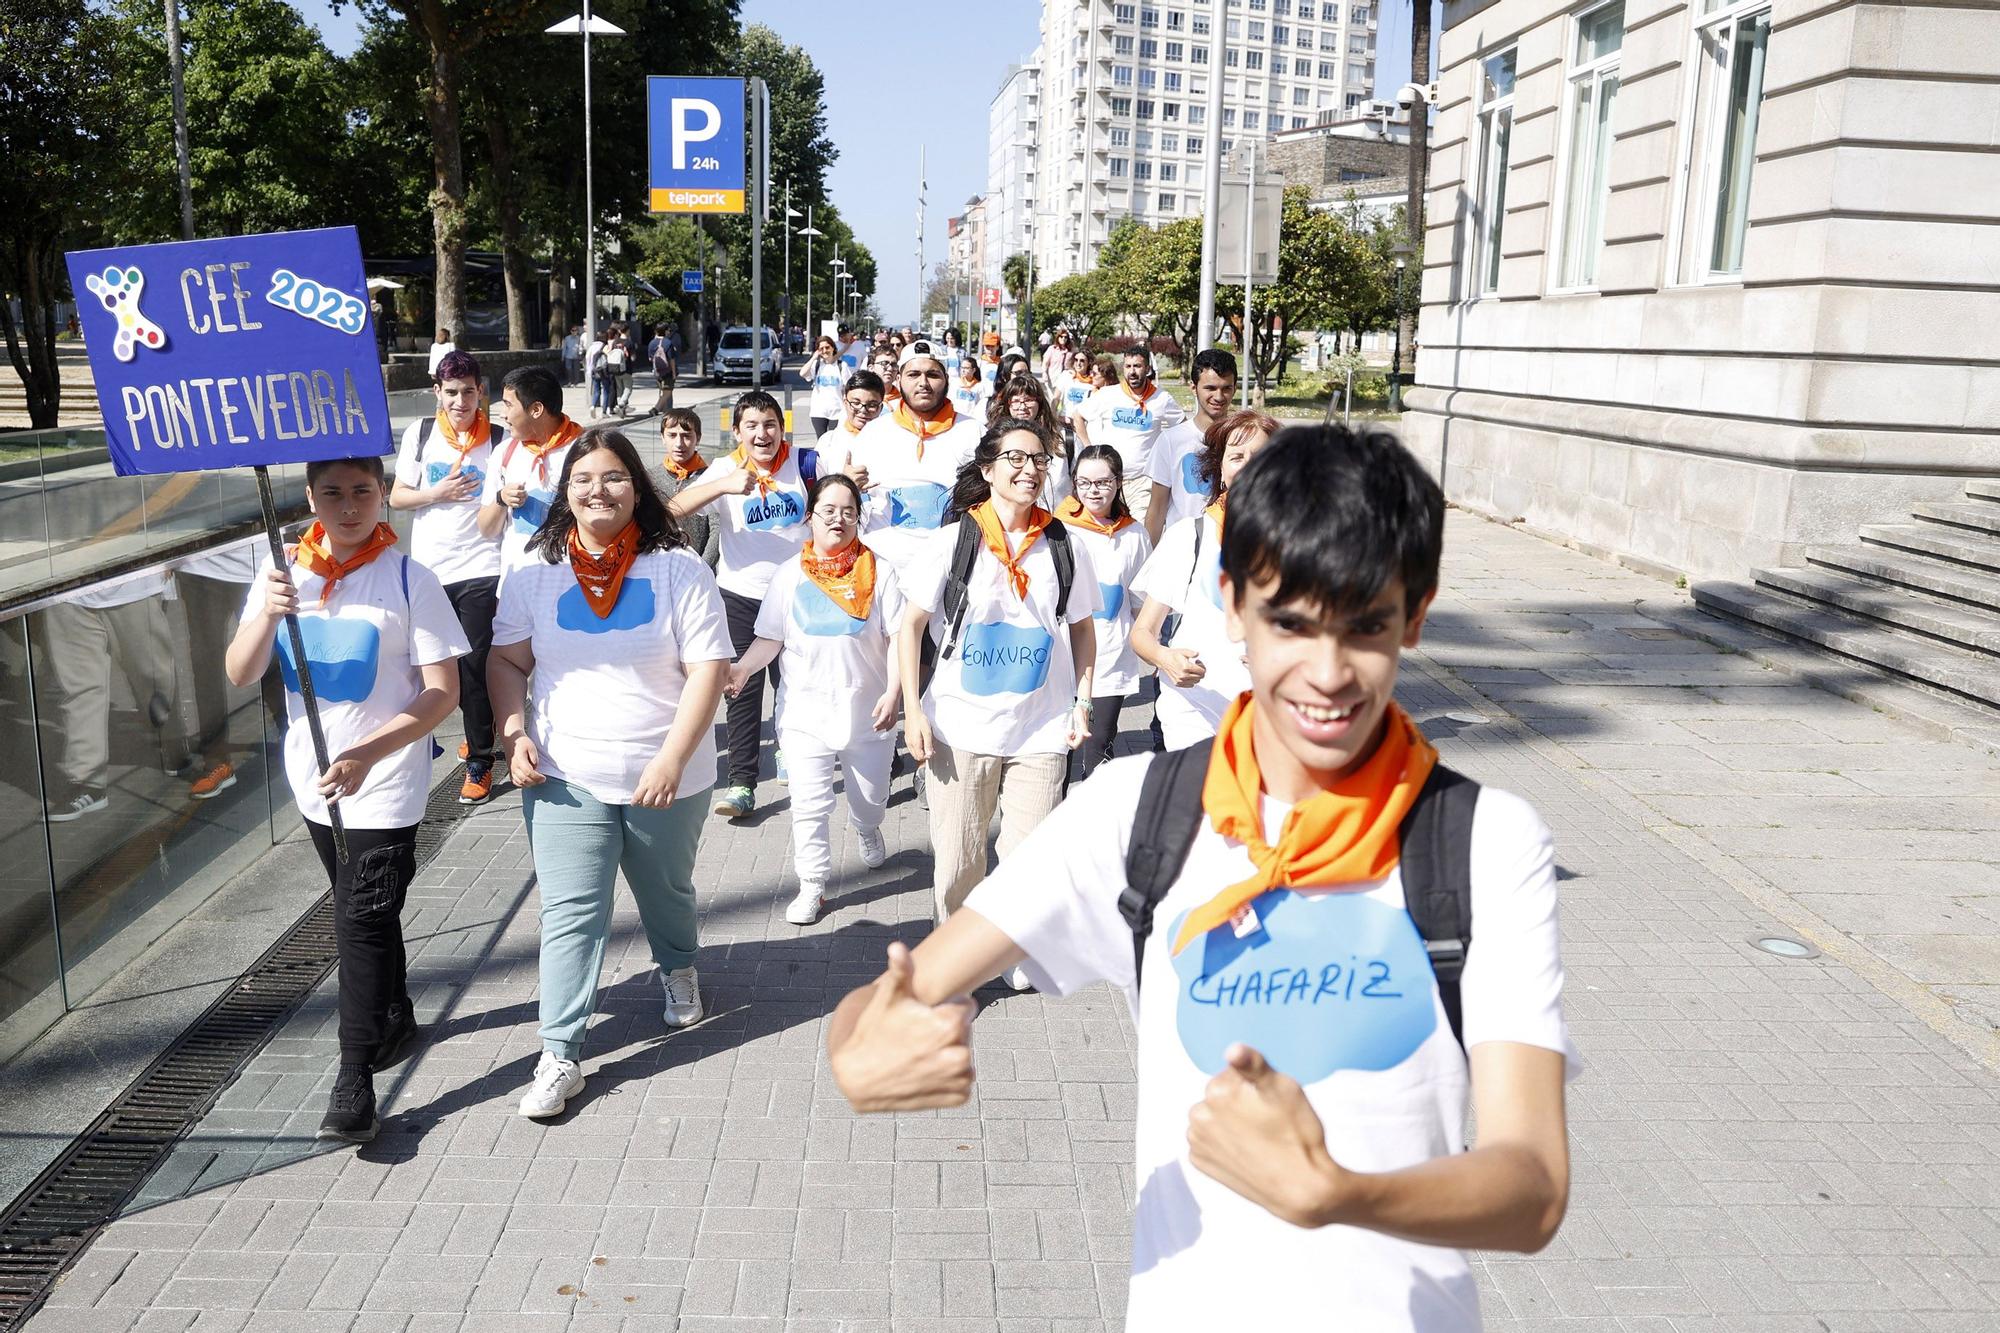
point(1436, 861)
point(958, 582)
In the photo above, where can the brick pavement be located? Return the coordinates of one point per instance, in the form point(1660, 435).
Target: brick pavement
point(1761, 1145)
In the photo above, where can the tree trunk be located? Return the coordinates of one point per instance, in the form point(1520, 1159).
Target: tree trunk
point(559, 320)
point(33, 279)
point(514, 265)
point(1413, 205)
point(448, 220)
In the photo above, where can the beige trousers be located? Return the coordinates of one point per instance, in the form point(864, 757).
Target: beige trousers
point(964, 789)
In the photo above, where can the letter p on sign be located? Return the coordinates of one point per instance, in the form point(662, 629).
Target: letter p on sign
point(684, 132)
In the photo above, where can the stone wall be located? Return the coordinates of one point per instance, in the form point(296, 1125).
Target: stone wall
point(1322, 159)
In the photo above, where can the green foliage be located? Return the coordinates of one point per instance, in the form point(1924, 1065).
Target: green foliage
point(1014, 275)
point(1082, 301)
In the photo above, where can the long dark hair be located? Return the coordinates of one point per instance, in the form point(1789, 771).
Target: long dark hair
point(657, 529)
point(1024, 383)
point(1108, 455)
point(1216, 443)
point(972, 488)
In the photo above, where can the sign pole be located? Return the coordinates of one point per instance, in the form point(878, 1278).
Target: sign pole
point(1249, 275)
point(761, 187)
point(297, 638)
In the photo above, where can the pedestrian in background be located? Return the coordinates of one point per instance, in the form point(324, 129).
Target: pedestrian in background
point(615, 635)
point(826, 374)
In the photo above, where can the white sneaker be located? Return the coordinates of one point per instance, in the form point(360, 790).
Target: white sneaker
point(1017, 978)
point(804, 909)
point(873, 850)
point(556, 1081)
point(683, 997)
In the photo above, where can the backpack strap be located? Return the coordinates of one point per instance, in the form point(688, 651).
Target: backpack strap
point(958, 582)
point(809, 467)
point(1437, 880)
point(1060, 550)
point(424, 429)
point(405, 571)
point(1169, 815)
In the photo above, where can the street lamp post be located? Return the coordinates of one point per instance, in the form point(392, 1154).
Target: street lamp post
point(809, 231)
point(1401, 253)
point(585, 25)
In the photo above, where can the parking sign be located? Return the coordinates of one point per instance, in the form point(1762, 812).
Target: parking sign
point(694, 132)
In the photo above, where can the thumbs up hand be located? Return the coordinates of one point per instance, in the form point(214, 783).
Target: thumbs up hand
point(1254, 1131)
point(903, 1054)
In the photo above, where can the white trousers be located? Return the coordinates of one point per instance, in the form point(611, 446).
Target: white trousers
point(810, 765)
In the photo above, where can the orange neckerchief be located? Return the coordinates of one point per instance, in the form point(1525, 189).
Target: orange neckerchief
point(1214, 511)
point(847, 576)
point(566, 434)
point(316, 554)
point(1139, 398)
point(682, 471)
point(1072, 512)
point(996, 540)
point(481, 432)
point(602, 576)
point(946, 417)
point(765, 479)
point(847, 424)
point(1346, 836)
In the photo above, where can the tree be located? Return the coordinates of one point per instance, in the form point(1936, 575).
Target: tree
point(1014, 276)
point(61, 98)
point(1080, 301)
point(937, 293)
point(1320, 261)
point(1156, 278)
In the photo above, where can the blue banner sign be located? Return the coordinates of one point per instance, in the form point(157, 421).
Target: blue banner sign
point(694, 145)
point(691, 280)
point(232, 352)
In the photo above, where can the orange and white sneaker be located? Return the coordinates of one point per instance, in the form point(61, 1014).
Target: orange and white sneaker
point(464, 750)
point(213, 782)
point(478, 784)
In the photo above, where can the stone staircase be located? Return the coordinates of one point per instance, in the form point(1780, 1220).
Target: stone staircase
point(1919, 600)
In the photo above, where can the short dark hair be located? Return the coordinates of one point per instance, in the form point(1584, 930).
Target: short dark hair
point(1215, 443)
point(535, 384)
point(1334, 515)
point(759, 400)
point(458, 365)
point(832, 479)
point(657, 529)
point(681, 416)
point(1139, 352)
point(369, 463)
point(864, 379)
point(1215, 359)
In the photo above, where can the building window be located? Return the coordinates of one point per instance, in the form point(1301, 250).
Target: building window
point(1145, 108)
point(1496, 130)
point(1170, 142)
point(1170, 171)
point(1123, 13)
point(1173, 83)
point(1357, 44)
point(1176, 52)
point(1199, 55)
point(1201, 25)
point(1149, 48)
point(1119, 166)
point(1121, 45)
point(1230, 56)
point(1144, 141)
point(1302, 69)
point(1298, 122)
point(1233, 28)
point(1121, 106)
point(1250, 119)
point(1304, 38)
point(1167, 203)
point(1328, 70)
point(1256, 30)
point(1301, 97)
point(1149, 78)
point(1357, 74)
point(1360, 13)
point(1170, 111)
point(1122, 75)
point(1149, 18)
point(1730, 42)
point(1121, 137)
point(1194, 144)
point(1197, 113)
point(1280, 34)
point(1142, 171)
point(1229, 117)
point(1259, 6)
point(1329, 13)
point(1176, 21)
point(1252, 59)
point(1329, 40)
point(1593, 92)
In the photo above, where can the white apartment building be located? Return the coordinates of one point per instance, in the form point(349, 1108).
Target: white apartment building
point(1124, 102)
point(1013, 124)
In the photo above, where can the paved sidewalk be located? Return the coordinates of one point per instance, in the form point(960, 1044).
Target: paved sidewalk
point(1762, 1145)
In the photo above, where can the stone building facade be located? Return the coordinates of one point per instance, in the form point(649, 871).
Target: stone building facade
point(1706, 282)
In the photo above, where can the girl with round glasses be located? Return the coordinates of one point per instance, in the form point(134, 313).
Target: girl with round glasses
point(1101, 524)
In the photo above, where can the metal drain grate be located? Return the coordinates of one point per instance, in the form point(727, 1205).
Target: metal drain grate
point(54, 1220)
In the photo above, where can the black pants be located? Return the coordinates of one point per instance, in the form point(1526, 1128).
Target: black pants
point(475, 600)
point(746, 710)
point(1103, 731)
point(368, 894)
point(822, 425)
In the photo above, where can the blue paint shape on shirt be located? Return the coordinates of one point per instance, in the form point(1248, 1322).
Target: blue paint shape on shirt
point(1004, 659)
point(633, 610)
point(919, 505)
point(1327, 982)
point(344, 656)
point(436, 472)
point(1131, 418)
point(1113, 597)
point(533, 508)
point(769, 513)
point(1191, 480)
point(819, 615)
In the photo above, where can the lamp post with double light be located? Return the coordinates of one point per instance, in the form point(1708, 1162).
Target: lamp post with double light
point(587, 26)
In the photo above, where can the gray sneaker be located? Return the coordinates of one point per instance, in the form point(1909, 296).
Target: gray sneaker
point(683, 990)
point(873, 850)
point(556, 1081)
point(735, 802)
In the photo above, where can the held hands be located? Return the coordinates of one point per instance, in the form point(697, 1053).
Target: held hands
point(1079, 723)
point(1254, 1131)
point(886, 708)
point(917, 738)
point(344, 776)
point(657, 783)
point(281, 599)
point(524, 763)
point(738, 678)
point(1183, 666)
point(903, 1054)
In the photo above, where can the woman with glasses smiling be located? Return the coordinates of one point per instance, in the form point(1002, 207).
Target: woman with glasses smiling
point(833, 613)
point(616, 630)
point(1011, 693)
point(1100, 522)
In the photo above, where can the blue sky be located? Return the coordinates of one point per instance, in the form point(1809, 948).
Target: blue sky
point(904, 73)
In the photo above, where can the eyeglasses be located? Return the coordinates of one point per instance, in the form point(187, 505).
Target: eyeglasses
point(1019, 458)
point(826, 515)
point(867, 407)
point(610, 481)
point(1108, 484)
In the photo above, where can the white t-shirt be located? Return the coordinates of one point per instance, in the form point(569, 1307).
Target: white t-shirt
point(1171, 577)
point(1377, 1059)
point(1176, 465)
point(834, 669)
point(1009, 684)
point(971, 399)
point(1071, 393)
point(604, 692)
point(1117, 560)
point(513, 462)
point(439, 351)
point(826, 379)
point(365, 648)
point(444, 538)
point(238, 562)
point(906, 492)
point(855, 354)
point(757, 532)
point(1114, 417)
